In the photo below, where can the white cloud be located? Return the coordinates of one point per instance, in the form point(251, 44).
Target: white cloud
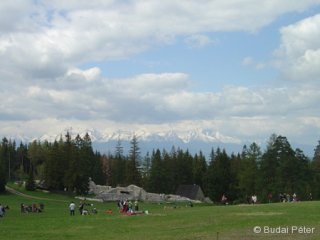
point(47, 38)
point(89, 74)
point(198, 41)
point(299, 53)
point(151, 99)
point(157, 97)
point(247, 61)
point(43, 43)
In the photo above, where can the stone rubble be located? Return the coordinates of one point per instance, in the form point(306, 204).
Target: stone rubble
point(132, 192)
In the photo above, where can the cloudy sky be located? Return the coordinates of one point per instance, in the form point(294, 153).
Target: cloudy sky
point(243, 68)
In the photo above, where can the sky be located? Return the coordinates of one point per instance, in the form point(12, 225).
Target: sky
point(242, 68)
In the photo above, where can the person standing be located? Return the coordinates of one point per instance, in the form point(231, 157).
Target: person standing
point(72, 208)
point(254, 199)
point(81, 207)
point(224, 199)
point(1, 210)
point(136, 206)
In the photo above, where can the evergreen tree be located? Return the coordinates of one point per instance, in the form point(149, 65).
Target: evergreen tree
point(269, 174)
point(30, 183)
point(315, 168)
point(3, 164)
point(235, 166)
point(302, 175)
point(24, 162)
point(287, 164)
point(157, 173)
point(168, 180)
point(183, 168)
point(132, 173)
point(208, 175)
point(199, 169)
point(70, 162)
point(284, 170)
point(145, 171)
point(4, 157)
point(219, 175)
point(37, 154)
point(55, 166)
point(118, 167)
point(119, 149)
point(248, 172)
point(171, 169)
point(84, 162)
point(97, 171)
point(3, 180)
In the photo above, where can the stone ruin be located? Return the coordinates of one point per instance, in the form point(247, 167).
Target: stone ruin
point(132, 192)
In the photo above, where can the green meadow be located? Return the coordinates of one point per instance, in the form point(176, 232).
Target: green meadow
point(163, 221)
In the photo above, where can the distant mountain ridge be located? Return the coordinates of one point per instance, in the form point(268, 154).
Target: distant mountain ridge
point(203, 135)
point(194, 140)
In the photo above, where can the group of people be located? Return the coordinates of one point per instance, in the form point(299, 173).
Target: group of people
point(250, 199)
point(283, 197)
point(24, 208)
point(34, 208)
point(82, 210)
point(3, 210)
point(126, 206)
point(286, 197)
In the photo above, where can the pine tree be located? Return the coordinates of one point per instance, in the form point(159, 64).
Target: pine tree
point(315, 168)
point(55, 167)
point(168, 180)
point(69, 158)
point(145, 171)
point(248, 172)
point(3, 180)
point(132, 173)
point(157, 173)
point(24, 162)
point(269, 175)
point(97, 171)
point(283, 170)
point(3, 164)
point(84, 163)
point(199, 169)
point(183, 168)
point(235, 166)
point(219, 175)
point(30, 183)
point(118, 167)
point(302, 175)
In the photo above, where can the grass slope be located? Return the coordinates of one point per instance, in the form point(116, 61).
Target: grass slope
point(199, 222)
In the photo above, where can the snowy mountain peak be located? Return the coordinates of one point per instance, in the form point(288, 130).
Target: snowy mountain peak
point(199, 135)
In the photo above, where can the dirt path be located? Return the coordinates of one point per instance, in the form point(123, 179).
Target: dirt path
point(13, 191)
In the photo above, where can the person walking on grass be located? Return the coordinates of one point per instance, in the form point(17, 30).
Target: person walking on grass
point(72, 208)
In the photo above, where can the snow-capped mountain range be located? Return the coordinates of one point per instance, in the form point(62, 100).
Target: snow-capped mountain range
point(201, 135)
point(105, 141)
point(194, 140)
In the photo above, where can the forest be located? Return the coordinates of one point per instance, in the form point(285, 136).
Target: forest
point(67, 164)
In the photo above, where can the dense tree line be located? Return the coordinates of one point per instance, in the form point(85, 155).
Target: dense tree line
point(68, 163)
point(62, 165)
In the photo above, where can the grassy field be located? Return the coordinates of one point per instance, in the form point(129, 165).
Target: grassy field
point(162, 222)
